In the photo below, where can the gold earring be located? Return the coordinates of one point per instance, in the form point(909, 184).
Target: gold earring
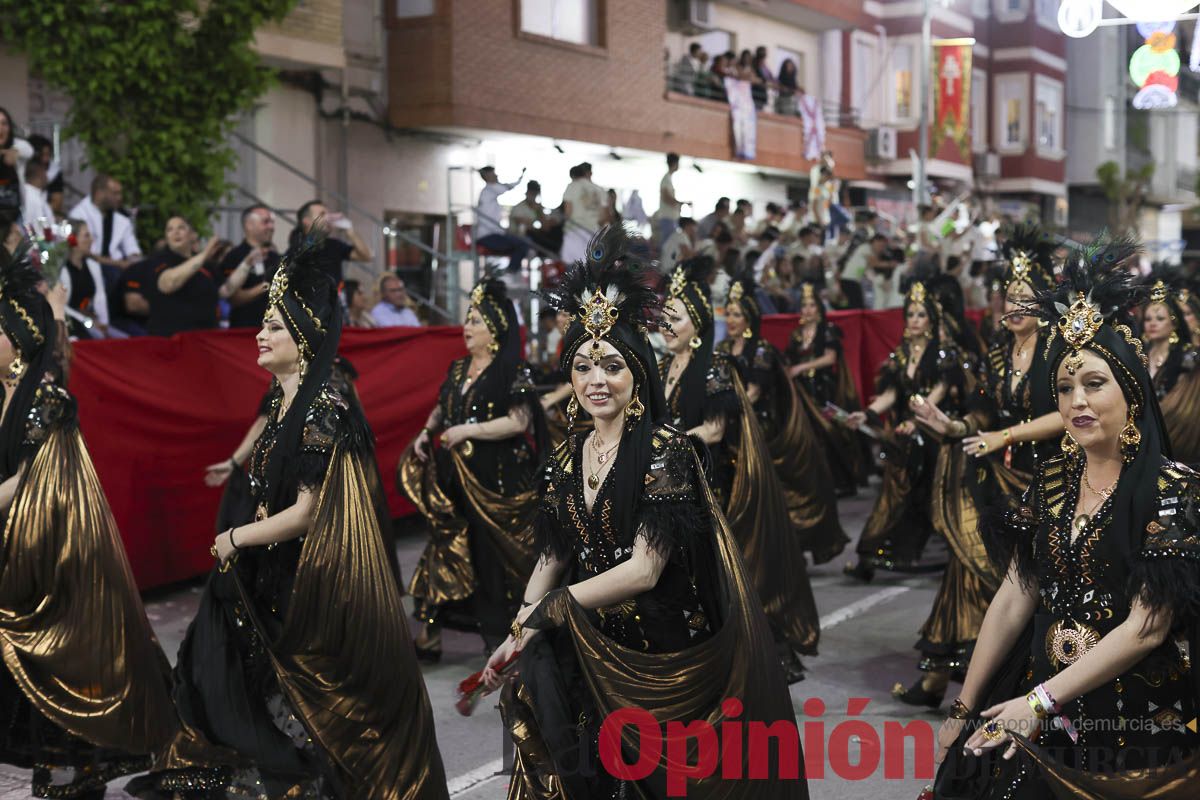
point(1069, 445)
point(748, 334)
point(16, 370)
point(635, 409)
point(695, 342)
point(1173, 338)
point(302, 367)
point(494, 347)
point(572, 411)
point(1131, 438)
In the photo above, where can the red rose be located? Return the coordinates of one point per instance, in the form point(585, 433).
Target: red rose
point(48, 234)
point(72, 241)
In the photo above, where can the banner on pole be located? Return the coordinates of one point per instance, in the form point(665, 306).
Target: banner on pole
point(952, 93)
point(744, 118)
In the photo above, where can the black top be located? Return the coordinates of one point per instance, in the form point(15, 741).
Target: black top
point(83, 287)
point(136, 279)
point(192, 306)
point(821, 384)
point(249, 315)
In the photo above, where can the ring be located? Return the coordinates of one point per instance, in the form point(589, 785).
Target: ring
point(918, 400)
point(993, 732)
point(982, 445)
point(213, 550)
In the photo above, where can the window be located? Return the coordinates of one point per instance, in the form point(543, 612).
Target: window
point(782, 54)
point(406, 9)
point(979, 137)
point(1011, 112)
point(1110, 123)
point(902, 82)
point(1012, 10)
point(575, 21)
point(865, 84)
point(1048, 116)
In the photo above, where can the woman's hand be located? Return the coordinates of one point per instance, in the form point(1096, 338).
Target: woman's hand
point(491, 673)
point(928, 414)
point(947, 735)
point(991, 440)
point(57, 298)
point(906, 428)
point(456, 435)
point(10, 156)
point(224, 546)
point(421, 445)
point(855, 420)
point(217, 474)
point(1014, 716)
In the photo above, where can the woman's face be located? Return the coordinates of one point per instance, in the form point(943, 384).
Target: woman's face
point(179, 235)
point(83, 241)
point(604, 389)
point(1018, 297)
point(5, 128)
point(358, 300)
point(476, 335)
point(277, 350)
point(1156, 322)
point(680, 328)
point(735, 319)
point(810, 312)
point(7, 352)
point(916, 320)
point(1091, 402)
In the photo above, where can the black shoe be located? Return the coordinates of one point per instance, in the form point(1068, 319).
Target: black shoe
point(917, 695)
point(429, 651)
point(862, 571)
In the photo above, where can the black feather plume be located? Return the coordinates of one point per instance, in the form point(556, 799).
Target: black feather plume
point(1030, 239)
point(1098, 273)
point(19, 278)
point(616, 266)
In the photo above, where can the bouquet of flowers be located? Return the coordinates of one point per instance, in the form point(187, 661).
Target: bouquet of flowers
point(472, 689)
point(49, 244)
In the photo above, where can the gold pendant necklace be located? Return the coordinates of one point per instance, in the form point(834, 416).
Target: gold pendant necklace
point(1083, 520)
point(593, 480)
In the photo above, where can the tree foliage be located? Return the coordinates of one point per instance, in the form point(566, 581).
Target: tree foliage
point(1126, 195)
point(156, 87)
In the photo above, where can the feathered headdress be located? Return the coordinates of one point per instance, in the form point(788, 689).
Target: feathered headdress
point(924, 285)
point(744, 292)
point(490, 296)
point(1165, 285)
point(305, 294)
point(1028, 253)
point(610, 287)
point(689, 285)
point(20, 300)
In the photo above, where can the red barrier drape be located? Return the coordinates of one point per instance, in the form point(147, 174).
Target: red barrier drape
point(155, 412)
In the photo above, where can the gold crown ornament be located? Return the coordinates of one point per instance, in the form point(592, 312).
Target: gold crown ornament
point(916, 292)
point(600, 313)
point(736, 292)
point(1080, 321)
point(1158, 292)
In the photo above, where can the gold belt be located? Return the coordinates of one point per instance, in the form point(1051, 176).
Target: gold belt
point(1068, 640)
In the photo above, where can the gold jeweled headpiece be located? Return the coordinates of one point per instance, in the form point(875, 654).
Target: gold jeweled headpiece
point(736, 292)
point(916, 292)
point(1079, 322)
point(1021, 264)
point(807, 293)
point(678, 282)
point(1158, 292)
point(477, 295)
point(276, 295)
point(600, 313)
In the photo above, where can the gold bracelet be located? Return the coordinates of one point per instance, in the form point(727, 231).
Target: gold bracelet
point(1036, 704)
point(516, 631)
point(959, 710)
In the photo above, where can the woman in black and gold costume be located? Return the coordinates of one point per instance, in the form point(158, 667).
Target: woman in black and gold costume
point(817, 364)
point(1189, 303)
point(476, 491)
point(639, 598)
point(84, 687)
point(1173, 361)
point(297, 677)
point(986, 455)
point(1077, 672)
point(707, 398)
point(794, 449)
point(924, 366)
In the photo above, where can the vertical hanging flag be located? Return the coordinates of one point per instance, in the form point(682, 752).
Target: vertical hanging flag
point(952, 93)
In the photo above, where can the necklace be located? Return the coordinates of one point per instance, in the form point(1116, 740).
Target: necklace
point(472, 374)
point(1083, 520)
point(673, 374)
point(593, 480)
point(1021, 352)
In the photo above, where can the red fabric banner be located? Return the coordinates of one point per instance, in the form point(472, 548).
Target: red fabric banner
point(155, 412)
point(952, 92)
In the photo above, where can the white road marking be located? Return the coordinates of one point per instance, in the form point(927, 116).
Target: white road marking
point(480, 775)
point(844, 613)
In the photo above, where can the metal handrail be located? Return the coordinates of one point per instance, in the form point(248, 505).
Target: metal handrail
point(544, 252)
point(348, 203)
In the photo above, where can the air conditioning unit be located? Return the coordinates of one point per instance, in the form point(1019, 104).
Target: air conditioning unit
point(700, 14)
point(881, 144)
point(987, 165)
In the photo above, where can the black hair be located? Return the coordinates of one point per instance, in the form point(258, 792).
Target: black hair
point(12, 129)
point(722, 203)
point(672, 159)
point(533, 186)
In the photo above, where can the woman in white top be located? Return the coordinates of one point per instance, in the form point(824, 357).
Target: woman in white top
point(87, 303)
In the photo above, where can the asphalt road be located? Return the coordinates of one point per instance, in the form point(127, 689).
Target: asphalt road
point(867, 635)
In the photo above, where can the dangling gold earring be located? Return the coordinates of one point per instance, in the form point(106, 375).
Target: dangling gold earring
point(494, 347)
point(302, 367)
point(747, 334)
point(1069, 445)
point(634, 411)
point(572, 411)
point(1131, 438)
point(16, 370)
point(695, 342)
point(1173, 338)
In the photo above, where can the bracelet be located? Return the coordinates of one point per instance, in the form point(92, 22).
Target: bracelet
point(515, 630)
point(1008, 435)
point(1035, 702)
point(959, 709)
point(232, 543)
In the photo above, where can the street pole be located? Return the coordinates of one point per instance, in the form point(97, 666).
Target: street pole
point(920, 197)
